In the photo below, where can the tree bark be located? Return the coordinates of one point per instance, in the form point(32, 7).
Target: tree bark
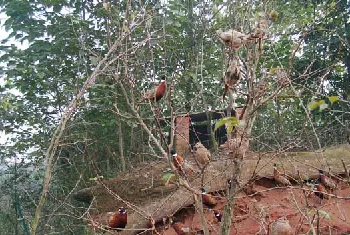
point(121, 146)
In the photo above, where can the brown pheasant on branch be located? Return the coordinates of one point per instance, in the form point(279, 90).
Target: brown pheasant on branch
point(201, 155)
point(232, 38)
point(156, 94)
point(259, 32)
point(183, 167)
point(232, 76)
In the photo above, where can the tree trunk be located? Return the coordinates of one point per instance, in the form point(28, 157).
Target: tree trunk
point(243, 136)
point(121, 146)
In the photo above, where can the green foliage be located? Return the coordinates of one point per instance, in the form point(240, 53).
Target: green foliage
point(62, 42)
point(322, 213)
point(333, 99)
point(230, 122)
point(321, 104)
point(169, 178)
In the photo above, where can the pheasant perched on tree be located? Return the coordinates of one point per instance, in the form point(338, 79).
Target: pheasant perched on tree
point(178, 160)
point(279, 178)
point(326, 181)
point(181, 165)
point(118, 219)
point(259, 32)
point(157, 93)
point(232, 38)
point(201, 154)
point(232, 76)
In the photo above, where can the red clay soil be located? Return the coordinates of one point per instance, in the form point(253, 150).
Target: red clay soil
point(252, 215)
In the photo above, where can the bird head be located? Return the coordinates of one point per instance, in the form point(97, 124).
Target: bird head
point(321, 172)
point(174, 220)
point(122, 210)
point(216, 213)
point(275, 166)
point(163, 79)
point(198, 145)
point(203, 191)
point(173, 153)
point(219, 32)
point(317, 181)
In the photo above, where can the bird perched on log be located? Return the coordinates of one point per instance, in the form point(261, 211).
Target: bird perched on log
point(326, 181)
point(232, 38)
point(157, 93)
point(208, 199)
point(279, 178)
point(201, 154)
point(321, 191)
point(280, 227)
point(118, 220)
point(181, 165)
point(179, 227)
point(218, 215)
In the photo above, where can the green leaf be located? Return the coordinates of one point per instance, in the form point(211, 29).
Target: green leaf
point(169, 178)
point(320, 212)
point(231, 121)
point(230, 128)
point(315, 104)
point(333, 99)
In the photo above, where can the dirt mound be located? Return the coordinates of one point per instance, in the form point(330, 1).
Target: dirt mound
point(252, 214)
point(143, 188)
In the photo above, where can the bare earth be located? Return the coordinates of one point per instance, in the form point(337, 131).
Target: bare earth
point(252, 215)
point(144, 188)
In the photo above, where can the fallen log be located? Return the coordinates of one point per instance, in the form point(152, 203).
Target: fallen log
point(214, 180)
point(144, 188)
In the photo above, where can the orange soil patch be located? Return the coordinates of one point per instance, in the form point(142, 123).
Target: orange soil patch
point(252, 215)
